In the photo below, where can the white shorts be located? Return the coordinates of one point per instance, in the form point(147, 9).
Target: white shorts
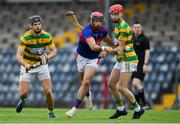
point(126, 66)
point(42, 73)
point(83, 62)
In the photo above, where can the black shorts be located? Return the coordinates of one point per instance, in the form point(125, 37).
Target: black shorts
point(139, 73)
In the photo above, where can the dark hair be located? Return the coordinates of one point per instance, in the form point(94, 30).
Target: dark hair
point(138, 22)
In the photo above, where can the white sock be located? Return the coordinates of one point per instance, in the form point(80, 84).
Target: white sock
point(120, 108)
point(137, 109)
point(74, 108)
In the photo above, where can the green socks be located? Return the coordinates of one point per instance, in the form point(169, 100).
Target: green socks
point(136, 106)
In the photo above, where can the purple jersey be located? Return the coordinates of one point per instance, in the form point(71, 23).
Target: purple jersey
point(83, 48)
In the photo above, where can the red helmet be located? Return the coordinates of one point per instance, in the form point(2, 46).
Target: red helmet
point(116, 8)
point(96, 15)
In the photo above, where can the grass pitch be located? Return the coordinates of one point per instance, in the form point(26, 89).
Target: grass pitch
point(36, 115)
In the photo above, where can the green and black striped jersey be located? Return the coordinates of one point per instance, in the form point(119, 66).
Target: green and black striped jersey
point(123, 33)
point(35, 45)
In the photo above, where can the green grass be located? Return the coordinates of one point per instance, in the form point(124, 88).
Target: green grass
point(36, 115)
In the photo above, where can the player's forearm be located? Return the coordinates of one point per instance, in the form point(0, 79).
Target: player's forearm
point(20, 60)
point(96, 48)
point(52, 54)
point(92, 44)
point(108, 41)
point(19, 56)
point(147, 55)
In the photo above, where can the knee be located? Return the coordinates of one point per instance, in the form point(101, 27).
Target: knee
point(23, 94)
point(48, 91)
point(86, 83)
point(135, 83)
point(111, 85)
point(121, 89)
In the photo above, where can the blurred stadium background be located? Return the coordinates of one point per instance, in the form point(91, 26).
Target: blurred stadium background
point(161, 20)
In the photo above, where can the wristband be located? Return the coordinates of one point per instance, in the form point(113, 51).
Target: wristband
point(102, 48)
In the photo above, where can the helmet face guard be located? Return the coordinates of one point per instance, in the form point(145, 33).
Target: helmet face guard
point(34, 19)
point(38, 26)
point(97, 20)
point(117, 11)
point(97, 16)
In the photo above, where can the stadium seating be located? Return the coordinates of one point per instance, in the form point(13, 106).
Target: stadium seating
point(164, 13)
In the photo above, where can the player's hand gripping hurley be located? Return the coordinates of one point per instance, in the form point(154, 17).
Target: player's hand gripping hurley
point(44, 60)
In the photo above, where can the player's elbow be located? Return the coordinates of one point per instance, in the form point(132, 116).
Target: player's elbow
point(55, 52)
point(18, 57)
